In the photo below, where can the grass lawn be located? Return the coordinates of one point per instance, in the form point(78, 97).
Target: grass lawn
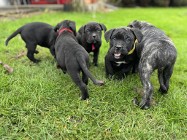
point(38, 101)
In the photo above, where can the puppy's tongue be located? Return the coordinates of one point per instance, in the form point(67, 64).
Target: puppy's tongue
point(93, 47)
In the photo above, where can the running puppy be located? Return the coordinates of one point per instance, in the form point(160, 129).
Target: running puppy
point(89, 36)
point(121, 57)
point(73, 58)
point(155, 51)
point(36, 33)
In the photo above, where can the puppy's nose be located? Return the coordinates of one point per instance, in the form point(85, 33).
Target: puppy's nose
point(118, 47)
point(94, 35)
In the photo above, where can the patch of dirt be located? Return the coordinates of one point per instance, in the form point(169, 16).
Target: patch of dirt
point(16, 14)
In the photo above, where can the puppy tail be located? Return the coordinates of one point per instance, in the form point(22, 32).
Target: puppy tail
point(13, 35)
point(84, 68)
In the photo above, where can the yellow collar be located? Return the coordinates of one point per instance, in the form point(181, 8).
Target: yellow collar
point(131, 51)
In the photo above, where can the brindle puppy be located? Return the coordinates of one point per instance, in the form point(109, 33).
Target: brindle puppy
point(155, 51)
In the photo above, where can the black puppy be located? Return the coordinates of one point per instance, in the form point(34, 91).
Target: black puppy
point(73, 58)
point(89, 36)
point(155, 51)
point(36, 33)
point(121, 57)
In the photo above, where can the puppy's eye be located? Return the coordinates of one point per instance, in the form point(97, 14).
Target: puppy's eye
point(128, 40)
point(98, 30)
point(87, 30)
point(114, 38)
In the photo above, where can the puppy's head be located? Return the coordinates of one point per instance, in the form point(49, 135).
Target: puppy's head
point(122, 41)
point(138, 24)
point(92, 32)
point(66, 24)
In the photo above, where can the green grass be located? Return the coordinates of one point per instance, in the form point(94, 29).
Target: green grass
point(40, 102)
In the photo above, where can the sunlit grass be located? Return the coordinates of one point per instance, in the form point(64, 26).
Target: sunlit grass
point(37, 101)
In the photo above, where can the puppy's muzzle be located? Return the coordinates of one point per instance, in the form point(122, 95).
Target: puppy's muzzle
point(94, 38)
point(117, 51)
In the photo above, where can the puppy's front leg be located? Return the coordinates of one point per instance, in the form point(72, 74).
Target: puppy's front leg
point(95, 59)
point(52, 51)
point(135, 67)
point(108, 68)
point(126, 70)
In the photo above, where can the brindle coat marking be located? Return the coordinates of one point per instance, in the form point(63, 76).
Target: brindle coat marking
point(155, 51)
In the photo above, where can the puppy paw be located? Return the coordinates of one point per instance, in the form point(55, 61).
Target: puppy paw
point(163, 90)
point(99, 82)
point(36, 61)
point(58, 66)
point(96, 65)
point(135, 101)
point(36, 52)
point(84, 97)
point(144, 104)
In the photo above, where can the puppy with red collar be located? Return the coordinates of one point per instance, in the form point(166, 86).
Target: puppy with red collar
point(89, 36)
point(73, 58)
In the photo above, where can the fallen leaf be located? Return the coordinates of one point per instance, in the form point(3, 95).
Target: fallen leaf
point(8, 68)
point(21, 54)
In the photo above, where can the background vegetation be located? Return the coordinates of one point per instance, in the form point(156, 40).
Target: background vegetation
point(37, 101)
point(162, 3)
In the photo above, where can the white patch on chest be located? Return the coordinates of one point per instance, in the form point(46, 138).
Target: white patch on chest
point(120, 62)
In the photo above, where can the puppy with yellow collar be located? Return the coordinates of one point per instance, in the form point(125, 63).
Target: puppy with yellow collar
point(121, 58)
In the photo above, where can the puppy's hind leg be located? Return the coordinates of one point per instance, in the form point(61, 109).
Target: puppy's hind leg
point(164, 77)
point(162, 88)
point(31, 49)
point(82, 86)
point(84, 78)
point(145, 73)
point(167, 75)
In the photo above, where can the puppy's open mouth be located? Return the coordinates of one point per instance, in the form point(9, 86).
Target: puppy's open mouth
point(93, 47)
point(117, 55)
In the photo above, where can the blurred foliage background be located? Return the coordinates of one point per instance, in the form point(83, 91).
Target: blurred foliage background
point(163, 3)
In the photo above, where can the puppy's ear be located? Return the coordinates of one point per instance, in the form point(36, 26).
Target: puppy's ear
point(103, 27)
point(72, 26)
point(130, 25)
point(82, 30)
point(137, 34)
point(108, 34)
point(57, 27)
point(135, 24)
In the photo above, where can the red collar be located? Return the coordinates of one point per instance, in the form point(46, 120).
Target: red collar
point(64, 29)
